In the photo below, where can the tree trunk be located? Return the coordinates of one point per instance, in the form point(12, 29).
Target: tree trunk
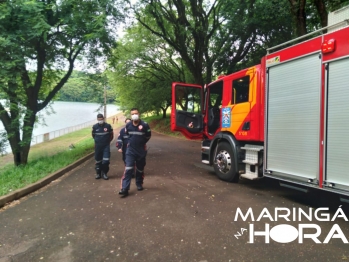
point(299, 16)
point(15, 141)
point(25, 154)
point(321, 9)
point(29, 121)
point(164, 109)
point(20, 147)
point(20, 155)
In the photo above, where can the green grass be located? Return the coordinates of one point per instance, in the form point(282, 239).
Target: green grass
point(13, 178)
point(161, 125)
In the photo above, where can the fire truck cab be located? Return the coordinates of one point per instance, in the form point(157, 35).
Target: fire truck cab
point(224, 114)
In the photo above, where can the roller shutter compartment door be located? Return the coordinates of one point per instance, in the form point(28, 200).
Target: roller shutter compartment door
point(293, 118)
point(337, 134)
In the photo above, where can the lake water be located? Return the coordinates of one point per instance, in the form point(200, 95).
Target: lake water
point(68, 114)
point(71, 114)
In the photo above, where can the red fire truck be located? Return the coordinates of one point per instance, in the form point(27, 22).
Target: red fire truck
point(286, 118)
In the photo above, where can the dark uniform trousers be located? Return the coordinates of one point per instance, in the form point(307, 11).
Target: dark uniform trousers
point(134, 155)
point(102, 156)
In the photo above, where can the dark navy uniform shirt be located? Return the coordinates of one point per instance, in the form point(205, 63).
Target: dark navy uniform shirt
point(102, 134)
point(138, 135)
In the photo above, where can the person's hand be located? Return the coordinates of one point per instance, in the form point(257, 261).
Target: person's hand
point(120, 150)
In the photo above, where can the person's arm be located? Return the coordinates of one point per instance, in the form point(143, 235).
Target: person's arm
point(147, 133)
point(119, 141)
point(127, 127)
point(111, 134)
point(93, 133)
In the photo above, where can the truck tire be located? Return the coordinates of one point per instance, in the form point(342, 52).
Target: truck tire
point(224, 163)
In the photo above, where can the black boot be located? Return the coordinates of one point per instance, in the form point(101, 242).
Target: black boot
point(98, 171)
point(105, 177)
point(123, 192)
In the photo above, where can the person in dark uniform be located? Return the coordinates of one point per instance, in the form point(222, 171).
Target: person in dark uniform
point(103, 134)
point(122, 141)
point(139, 134)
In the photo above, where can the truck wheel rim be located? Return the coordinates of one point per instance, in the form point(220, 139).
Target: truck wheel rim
point(223, 161)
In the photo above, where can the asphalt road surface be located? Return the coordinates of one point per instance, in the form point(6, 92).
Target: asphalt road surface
point(184, 214)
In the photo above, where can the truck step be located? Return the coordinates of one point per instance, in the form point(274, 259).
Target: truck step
point(250, 176)
point(253, 148)
point(205, 149)
point(251, 156)
point(248, 173)
point(252, 163)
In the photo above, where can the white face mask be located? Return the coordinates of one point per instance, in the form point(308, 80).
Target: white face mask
point(135, 117)
point(101, 122)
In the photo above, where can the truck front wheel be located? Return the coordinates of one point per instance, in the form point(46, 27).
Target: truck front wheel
point(224, 163)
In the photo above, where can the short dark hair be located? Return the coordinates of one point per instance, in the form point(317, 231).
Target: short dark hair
point(127, 119)
point(100, 116)
point(134, 108)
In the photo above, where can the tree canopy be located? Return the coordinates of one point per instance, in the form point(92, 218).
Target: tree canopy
point(38, 40)
point(308, 15)
point(144, 69)
point(187, 27)
point(207, 38)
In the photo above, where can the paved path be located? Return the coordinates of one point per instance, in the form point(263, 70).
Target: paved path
point(184, 214)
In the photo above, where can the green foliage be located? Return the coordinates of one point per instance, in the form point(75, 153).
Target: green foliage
point(309, 15)
point(193, 41)
point(215, 37)
point(143, 71)
point(333, 5)
point(86, 87)
point(254, 26)
point(187, 27)
point(161, 125)
point(38, 41)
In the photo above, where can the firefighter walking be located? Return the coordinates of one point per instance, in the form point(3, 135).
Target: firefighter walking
point(139, 134)
point(102, 133)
